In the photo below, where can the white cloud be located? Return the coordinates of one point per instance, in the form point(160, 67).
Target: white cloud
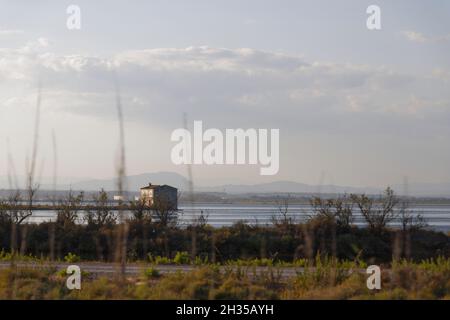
point(205, 59)
point(216, 84)
point(12, 32)
point(421, 38)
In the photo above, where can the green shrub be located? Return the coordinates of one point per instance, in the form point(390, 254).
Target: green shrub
point(151, 273)
point(198, 261)
point(63, 273)
point(8, 256)
point(159, 260)
point(182, 258)
point(5, 256)
point(162, 260)
point(71, 258)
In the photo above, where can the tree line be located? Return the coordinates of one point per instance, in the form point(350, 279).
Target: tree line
point(330, 230)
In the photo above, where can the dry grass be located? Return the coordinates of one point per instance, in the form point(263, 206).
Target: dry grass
point(327, 280)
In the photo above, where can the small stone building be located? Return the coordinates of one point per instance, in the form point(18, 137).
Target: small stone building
point(160, 195)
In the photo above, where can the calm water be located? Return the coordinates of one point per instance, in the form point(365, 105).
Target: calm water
point(437, 216)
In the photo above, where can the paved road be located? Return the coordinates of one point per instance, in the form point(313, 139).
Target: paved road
point(132, 269)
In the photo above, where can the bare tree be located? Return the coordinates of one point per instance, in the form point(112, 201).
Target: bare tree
point(281, 217)
point(13, 210)
point(140, 210)
point(68, 207)
point(410, 221)
point(201, 220)
point(379, 213)
point(165, 211)
point(101, 214)
point(338, 210)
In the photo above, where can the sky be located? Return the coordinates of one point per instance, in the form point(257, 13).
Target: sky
point(354, 106)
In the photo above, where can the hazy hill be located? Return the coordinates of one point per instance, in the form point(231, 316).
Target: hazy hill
point(286, 187)
point(174, 179)
point(135, 182)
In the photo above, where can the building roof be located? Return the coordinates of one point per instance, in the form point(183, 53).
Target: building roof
point(156, 186)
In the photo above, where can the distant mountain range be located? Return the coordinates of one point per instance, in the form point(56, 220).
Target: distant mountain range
point(134, 182)
point(286, 187)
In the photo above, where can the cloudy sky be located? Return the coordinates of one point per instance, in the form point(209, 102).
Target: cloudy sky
point(354, 107)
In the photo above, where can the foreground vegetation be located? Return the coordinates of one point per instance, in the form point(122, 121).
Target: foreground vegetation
point(328, 251)
point(321, 279)
point(153, 232)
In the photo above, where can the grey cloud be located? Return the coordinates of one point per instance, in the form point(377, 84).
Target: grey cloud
point(226, 87)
